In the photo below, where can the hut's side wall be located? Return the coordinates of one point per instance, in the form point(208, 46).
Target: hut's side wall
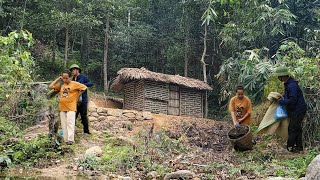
point(156, 97)
point(128, 100)
point(134, 95)
point(139, 96)
point(191, 103)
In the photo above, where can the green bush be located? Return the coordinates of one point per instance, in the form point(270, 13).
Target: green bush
point(31, 152)
point(296, 167)
point(89, 162)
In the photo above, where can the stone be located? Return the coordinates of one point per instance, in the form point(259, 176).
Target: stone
point(152, 175)
point(102, 118)
point(139, 116)
point(92, 119)
point(75, 168)
point(279, 178)
point(129, 115)
point(147, 115)
point(114, 112)
point(129, 111)
point(126, 178)
point(92, 109)
point(94, 114)
point(94, 150)
point(103, 114)
point(92, 104)
point(313, 171)
point(112, 118)
point(181, 174)
point(102, 110)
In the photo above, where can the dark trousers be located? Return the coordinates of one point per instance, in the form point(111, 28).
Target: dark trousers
point(295, 131)
point(83, 110)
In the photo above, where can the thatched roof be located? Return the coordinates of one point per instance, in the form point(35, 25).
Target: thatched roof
point(128, 74)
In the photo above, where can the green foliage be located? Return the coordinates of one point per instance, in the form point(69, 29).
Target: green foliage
point(248, 69)
point(146, 155)
point(8, 130)
point(296, 167)
point(34, 151)
point(118, 158)
point(89, 162)
point(15, 60)
point(5, 161)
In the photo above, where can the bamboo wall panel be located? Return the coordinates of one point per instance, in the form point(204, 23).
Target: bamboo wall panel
point(156, 90)
point(139, 95)
point(156, 106)
point(191, 103)
point(129, 95)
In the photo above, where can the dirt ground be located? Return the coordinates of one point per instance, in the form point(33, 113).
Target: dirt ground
point(207, 138)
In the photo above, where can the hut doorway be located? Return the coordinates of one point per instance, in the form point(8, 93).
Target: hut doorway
point(174, 100)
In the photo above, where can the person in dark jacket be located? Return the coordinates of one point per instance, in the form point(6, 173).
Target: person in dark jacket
point(296, 107)
point(82, 107)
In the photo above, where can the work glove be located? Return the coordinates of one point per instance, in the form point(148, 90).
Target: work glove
point(237, 124)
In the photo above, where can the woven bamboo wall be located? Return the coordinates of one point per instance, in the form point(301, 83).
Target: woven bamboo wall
point(156, 97)
point(139, 96)
point(191, 102)
point(157, 90)
point(128, 89)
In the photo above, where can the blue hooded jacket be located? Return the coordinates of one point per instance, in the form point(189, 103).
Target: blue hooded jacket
point(84, 80)
point(293, 98)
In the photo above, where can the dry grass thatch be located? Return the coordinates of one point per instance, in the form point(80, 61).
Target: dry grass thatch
point(128, 74)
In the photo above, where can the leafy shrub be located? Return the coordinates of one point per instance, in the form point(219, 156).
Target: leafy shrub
point(31, 152)
point(8, 130)
point(296, 167)
point(118, 157)
point(89, 162)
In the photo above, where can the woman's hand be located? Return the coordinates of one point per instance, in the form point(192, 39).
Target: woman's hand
point(236, 124)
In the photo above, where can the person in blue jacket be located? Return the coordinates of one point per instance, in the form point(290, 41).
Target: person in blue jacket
point(82, 107)
point(296, 107)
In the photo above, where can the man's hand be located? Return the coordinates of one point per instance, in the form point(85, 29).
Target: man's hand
point(236, 124)
point(281, 101)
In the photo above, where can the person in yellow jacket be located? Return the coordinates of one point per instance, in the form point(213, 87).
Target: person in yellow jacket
point(70, 91)
point(240, 108)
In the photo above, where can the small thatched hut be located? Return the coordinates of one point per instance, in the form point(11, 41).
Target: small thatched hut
point(145, 90)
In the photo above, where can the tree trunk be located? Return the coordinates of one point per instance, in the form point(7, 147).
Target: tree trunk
point(105, 58)
point(203, 63)
point(85, 47)
point(129, 17)
point(186, 56)
point(186, 41)
point(54, 45)
point(204, 69)
point(82, 51)
point(66, 47)
point(73, 38)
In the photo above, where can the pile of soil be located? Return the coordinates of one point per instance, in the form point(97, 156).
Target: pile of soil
point(203, 133)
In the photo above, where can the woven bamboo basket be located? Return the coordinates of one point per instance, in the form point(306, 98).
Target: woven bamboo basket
point(244, 142)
